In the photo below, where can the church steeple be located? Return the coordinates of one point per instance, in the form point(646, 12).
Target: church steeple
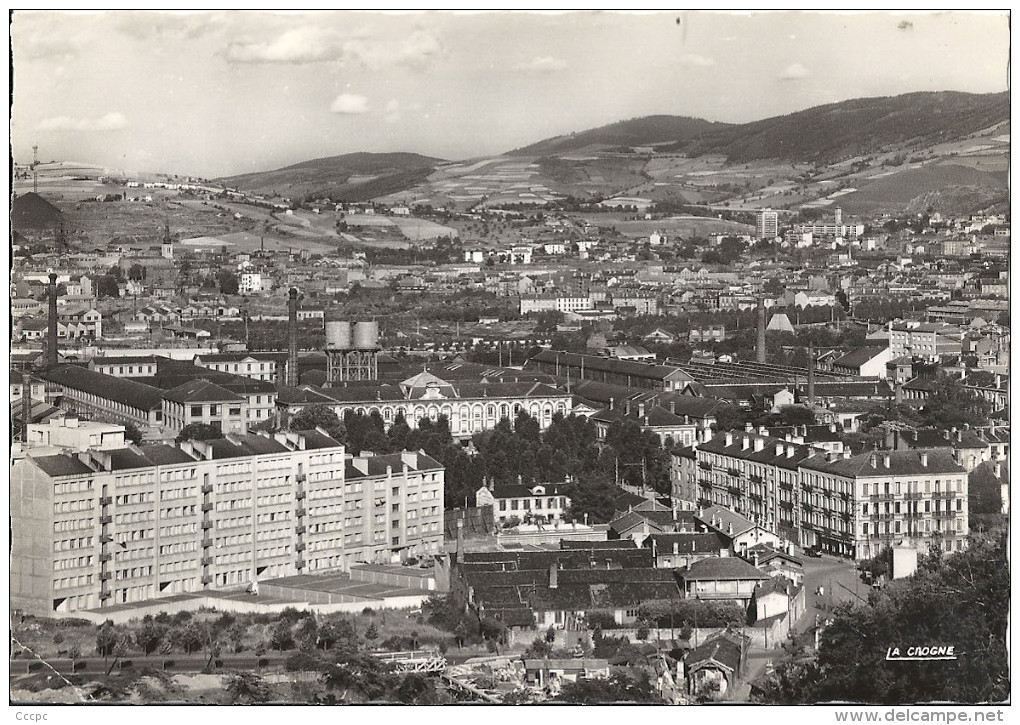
point(168, 242)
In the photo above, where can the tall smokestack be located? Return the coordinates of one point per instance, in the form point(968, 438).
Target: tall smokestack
point(292, 361)
point(51, 340)
point(811, 375)
point(26, 404)
point(761, 330)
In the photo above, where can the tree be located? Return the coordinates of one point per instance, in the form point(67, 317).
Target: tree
point(198, 432)
point(107, 637)
point(106, 286)
point(320, 416)
point(957, 599)
point(150, 635)
point(546, 322)
point(615, 688)
point(247, 688)
point(416, 689)
point(282, 636)
point(228, 282)
point(187, 639)
point(132, 433)
point(371, 632)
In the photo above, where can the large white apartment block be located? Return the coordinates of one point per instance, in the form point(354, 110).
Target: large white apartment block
point(849, 505)
point(105, 527)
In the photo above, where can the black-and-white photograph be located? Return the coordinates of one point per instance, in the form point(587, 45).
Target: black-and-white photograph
point(506, 358)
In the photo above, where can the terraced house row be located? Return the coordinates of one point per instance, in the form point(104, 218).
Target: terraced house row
point(106, 527)
point(849, 505)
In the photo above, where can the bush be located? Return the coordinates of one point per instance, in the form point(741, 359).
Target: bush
point(643, 632)
point(302, 662)
point(601, 620)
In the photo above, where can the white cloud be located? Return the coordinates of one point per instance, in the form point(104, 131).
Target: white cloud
point(319, 45)
point(794, 72)
point(110, 122)
point(695, 61)
point(349, 103)
point(542, 64)
point(301, 45)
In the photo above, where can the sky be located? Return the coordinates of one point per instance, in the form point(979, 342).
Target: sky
point(227, 92)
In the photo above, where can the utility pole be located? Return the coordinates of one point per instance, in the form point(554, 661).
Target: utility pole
point(35, 173)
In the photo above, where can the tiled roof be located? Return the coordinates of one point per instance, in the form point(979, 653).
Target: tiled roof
point(201, 391)
point(61, 465)
point(901, 463)
point(720, 568)
point(120, 390)
point(724, 518)
point(687, 543)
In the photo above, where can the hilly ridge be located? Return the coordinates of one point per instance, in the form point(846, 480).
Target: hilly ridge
point(856, 127)
point(644, 131)
point(353, 177)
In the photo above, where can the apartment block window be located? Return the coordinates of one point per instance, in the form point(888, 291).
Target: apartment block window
point(214, 410)
point(395, 524)
point(538, 503)
point(513, 505)
point(502, 505)
point(396, 541)
point(235, 411)
point(864, 528)
point(865, 512)
point(196, 410)
point(395, 507)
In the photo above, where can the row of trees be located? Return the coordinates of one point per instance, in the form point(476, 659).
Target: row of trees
point(515, 451)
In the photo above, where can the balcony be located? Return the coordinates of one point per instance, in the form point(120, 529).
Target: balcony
point(103, 558)
point(756, 479)
point(300, 546)
point(301, 529)
point(105, 594)
point(704, 466)
point(207, 488)
point(104, 520)
point(105, 576)
point(105, 539)
point(207, 507)
point(786, 486)
point(944, 495)
point(807, 525)
point(207, 561)
point(735, 472)
point(301, 511)
point(207, 524)
point(207, 579)
point(207, 542)
point(300, 494)
point(105, 500)
point(301, 478)
point(807, 488)
point(756, 497)
point(735, 490)
point(300, 564)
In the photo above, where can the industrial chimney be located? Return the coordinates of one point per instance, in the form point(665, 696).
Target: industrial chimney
point(292, 360)
point(51, 340)
point(811, 375)
point(761, 330)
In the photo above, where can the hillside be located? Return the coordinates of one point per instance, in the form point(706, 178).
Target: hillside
point(857, 127)
point(352, 177)
point(32, 212)
point(947, 188)
point(645, 131)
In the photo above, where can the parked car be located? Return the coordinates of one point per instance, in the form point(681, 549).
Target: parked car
point(814, 552)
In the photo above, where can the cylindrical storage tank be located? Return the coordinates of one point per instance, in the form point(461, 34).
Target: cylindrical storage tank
point(338, 335)
point(366, 335)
